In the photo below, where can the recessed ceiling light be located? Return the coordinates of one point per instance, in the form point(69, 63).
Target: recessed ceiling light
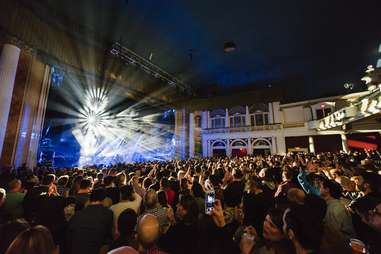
point(229, 47)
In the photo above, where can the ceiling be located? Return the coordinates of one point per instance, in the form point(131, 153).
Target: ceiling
point(311, 46)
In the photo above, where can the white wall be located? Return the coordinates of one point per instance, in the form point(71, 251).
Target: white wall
point(293, 114)
point(277, 112)
point(308, 114)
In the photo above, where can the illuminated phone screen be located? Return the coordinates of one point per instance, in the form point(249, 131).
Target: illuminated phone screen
point(209, 202)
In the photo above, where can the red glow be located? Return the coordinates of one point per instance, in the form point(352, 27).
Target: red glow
point(361, 145)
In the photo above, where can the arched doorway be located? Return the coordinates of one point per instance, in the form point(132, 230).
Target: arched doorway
point(219, 148)
point(261, 147)
point(239, 148)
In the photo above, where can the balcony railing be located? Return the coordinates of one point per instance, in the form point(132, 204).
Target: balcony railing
point(313, 124)
point(293, 125)
point(268, 127)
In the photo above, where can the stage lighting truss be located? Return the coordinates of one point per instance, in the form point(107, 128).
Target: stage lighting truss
point(131, 58)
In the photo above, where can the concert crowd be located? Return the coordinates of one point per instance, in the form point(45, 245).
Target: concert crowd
point(295, 203)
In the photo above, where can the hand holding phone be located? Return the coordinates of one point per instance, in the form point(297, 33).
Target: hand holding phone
point(210, 198)
point(218, 214)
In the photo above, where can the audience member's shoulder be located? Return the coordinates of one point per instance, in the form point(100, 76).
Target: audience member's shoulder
point(137, 196)
point(124, 250)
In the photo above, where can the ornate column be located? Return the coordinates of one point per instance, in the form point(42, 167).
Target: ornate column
point(311, 144)
point(344, 143)
point(227, 122)
point(178, 133)
point(38, 84)
point(247, 117)
point(184, 138)
point(277, 117)
point(204, 120)
point(273, 145)
point(208, 121)
point(205, 147)
point(27, 111)
point(281, 144)
point(249, 146)
point(271, 113)
point(8, 67)
point(191, 135)
point(228, 150)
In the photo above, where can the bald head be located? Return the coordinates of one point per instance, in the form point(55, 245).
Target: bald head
point(148, 230)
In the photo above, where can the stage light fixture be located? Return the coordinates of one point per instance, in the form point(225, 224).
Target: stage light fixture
point(130, 57)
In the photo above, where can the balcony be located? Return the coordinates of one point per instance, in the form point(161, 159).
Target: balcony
point(267, 127)
point(313, 124)
point(293, 125)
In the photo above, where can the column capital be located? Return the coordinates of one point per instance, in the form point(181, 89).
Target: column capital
point(15, 41)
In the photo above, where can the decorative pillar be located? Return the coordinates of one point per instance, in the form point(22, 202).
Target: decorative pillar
point(273, 145)
point(208, 120)
point(227, 122)
point(271, 113)
point(281, 144)
point(37, 106)
point(204, 120)
point(205, 150)
point(311, 144)
point(18, 123)
point(27, 111)
point(277, 118)
point(184, 138)
point(8, 67)
point(344, 143)
point(247, 116)
point(249, 147)
point(178, 132)
point(191, 135)
point(228, 150)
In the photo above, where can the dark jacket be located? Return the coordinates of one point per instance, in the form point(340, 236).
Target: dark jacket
point(201, 237)
point(89, 229)
point(32, 201)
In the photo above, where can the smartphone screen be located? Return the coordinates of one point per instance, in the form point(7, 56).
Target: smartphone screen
point(210, 198)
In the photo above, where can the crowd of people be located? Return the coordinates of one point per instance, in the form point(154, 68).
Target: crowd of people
point(295, 203)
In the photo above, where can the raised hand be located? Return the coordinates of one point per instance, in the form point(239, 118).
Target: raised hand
point(218, 214)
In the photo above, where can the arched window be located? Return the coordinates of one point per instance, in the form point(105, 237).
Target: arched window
point(218, 144)
point(238, 143)
point(261, 143)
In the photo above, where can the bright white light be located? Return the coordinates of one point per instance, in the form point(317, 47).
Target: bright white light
point(367, 79)
point(369, 69)
point(92, 120)
point(107, 138)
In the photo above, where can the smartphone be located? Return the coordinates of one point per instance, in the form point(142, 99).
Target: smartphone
point(210, 198)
